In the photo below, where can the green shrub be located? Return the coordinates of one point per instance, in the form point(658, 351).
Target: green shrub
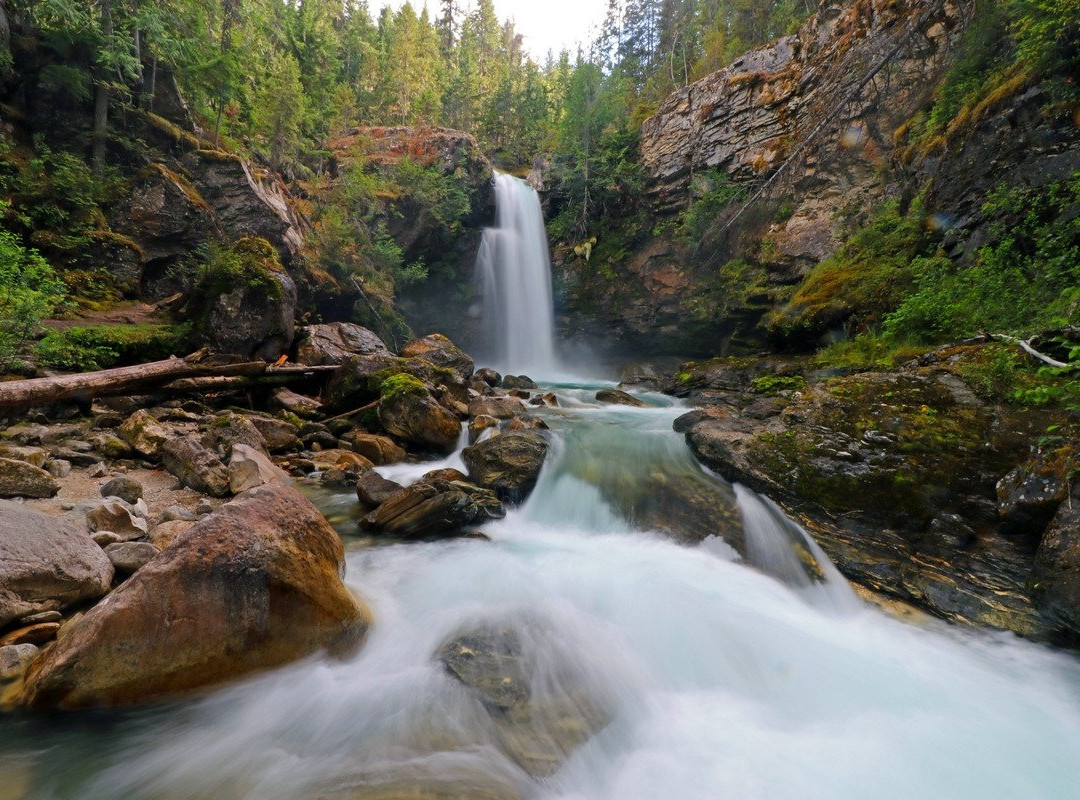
point(713, 192)
point(250, 262)
point(29, 292)
point(103, 346)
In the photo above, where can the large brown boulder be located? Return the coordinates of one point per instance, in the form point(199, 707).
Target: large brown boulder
point(46, 563)
point(376, 449)
point(144, 433)
point(334, 342)
point(419, 419)
point(509, 463)
point(498, 407)
point(254, 586)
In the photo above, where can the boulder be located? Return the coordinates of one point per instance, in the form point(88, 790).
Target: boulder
point(230, 429)
point(46, 563)
point(527, 422)
point(619, 398)
point(1057, 567)
point(509, 463)
point(253, 315)
point(15, 659)
point(144, 434)
point(195, 466)
point(498, 407)
point(424, 510)
point(518, 382)
point(294, 403)
point(129, 557)
point(127, 489)
point(165, 533)
point(479, 424)
point(115, 515)
point(441, 352)
point(540, 716)
point(58, 467)
point(1028, 497)
point(372, 489)
point(334, 342)
point(488, 376)
point(23, 479)
point(377, 449)
point(345, 460)
point(31, 455)
point(254, 586)
point(417, 418)
point(249, 468)
point(279, 436)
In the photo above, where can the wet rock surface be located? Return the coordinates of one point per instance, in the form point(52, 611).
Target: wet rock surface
point(897, 475)
point(255, 585)
point(509, 463)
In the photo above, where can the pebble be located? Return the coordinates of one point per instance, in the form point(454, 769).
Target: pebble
point(67, 506)
point(99, 470)
point(204, 507)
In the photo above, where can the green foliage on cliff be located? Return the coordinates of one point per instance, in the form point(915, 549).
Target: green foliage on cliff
point(88, 347)
point(29, 291)
point(248, 263)
point(1026, 280)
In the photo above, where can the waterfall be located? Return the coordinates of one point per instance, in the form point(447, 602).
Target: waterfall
point(513, 273)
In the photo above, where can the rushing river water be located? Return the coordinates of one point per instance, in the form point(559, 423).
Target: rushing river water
point(720, 680)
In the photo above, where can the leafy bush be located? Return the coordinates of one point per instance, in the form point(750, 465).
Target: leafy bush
point(250, 262)
point(103, 346)
point(1027, 279)
point(713, 192)
point(29, 292)
point(442, 195)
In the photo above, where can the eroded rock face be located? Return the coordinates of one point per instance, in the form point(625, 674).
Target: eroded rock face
point(894, 473)
point(46, 563)
point(509, 463)
point(254, 586)
point(255, 321)
point(334, 342)
point(1057, 567)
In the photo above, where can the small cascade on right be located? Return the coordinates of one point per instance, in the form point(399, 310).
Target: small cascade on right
point(779, 546)
point(513, 272)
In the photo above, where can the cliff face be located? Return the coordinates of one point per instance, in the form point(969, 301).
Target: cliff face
point(741, 124)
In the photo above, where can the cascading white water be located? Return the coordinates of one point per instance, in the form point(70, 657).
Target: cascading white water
point(513, 272)
point(721, 681)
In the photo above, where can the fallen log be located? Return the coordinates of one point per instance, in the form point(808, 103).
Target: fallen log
point(83, 387)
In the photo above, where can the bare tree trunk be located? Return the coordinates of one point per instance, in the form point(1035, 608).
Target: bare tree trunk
point(101, 94)
point(127, 380)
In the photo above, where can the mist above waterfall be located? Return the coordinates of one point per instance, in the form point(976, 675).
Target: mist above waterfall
point(513, 273)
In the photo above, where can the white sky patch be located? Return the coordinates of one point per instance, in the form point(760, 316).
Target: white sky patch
point(545, 24)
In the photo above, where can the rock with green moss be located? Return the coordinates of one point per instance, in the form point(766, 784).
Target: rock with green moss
point(895, 474)
point(441, 352)
point(22, 479)
point(250, 301)
point(333, 343)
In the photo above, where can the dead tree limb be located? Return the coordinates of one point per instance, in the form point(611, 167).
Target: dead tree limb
point(83, 387)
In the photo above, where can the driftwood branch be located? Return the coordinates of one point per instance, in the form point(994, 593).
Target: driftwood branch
point(1031, 351)
point(85, 386)
point(354, 412)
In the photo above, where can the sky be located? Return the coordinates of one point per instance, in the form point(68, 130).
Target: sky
point(545, 24)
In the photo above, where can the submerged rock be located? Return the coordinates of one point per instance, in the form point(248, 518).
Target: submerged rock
point(372, 489)
point(425, 510)
point(509, 463)
point(539, 700)
point(255, 585)
point(46, 563)
point(619, 397)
